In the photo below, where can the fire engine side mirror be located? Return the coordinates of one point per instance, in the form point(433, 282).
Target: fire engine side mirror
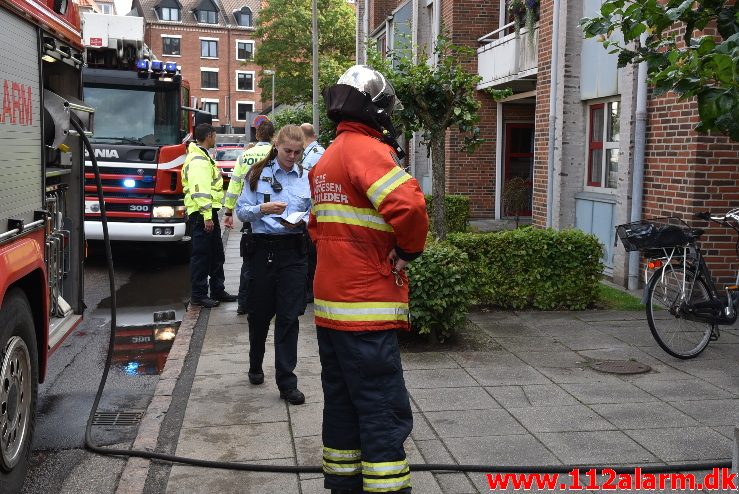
point(202, 117)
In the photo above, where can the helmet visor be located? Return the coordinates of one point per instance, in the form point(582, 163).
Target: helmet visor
point(373, 83)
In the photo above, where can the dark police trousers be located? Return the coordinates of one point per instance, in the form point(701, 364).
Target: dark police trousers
point(207, 258)
point(244, 276)
point(277, 276)
point(366, 412)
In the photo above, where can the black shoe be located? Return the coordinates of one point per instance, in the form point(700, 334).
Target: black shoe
point(241, 310)
point(225, 297)
point(293, 396)
point(256, 377)
point(206, 302)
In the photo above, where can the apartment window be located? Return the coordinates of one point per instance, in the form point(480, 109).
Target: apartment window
point(603, 144)
point(243, 109)
point(207, 16)
point(169, 13)
point(211, 106)
point(244, 50)
point(245, 81)
point(208, 48)
point(171, 46)
point(382, 44)
point(208, 79)
point(243, 17)
point(106, 8)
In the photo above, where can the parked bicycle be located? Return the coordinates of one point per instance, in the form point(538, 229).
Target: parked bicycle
point(684, 307)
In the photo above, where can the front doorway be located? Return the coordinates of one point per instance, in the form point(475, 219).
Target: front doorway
point(518, 164)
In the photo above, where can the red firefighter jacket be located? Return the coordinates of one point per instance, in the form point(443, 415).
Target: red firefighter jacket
point(364, 206)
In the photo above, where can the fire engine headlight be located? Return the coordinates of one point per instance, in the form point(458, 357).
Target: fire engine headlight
point(165, 334)
point(164, 212)
point(130, 183)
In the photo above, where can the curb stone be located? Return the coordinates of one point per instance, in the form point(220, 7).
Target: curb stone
point(133, 478)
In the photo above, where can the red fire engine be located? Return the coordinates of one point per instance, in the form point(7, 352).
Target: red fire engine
point(140, 134)
point(41, 208)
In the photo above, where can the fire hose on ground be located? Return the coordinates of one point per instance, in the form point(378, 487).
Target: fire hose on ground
point(256, 467)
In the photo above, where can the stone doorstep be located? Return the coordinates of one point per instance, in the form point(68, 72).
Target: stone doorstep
point(133, 478)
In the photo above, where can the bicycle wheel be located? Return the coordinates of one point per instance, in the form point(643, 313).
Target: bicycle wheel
point(676, 335)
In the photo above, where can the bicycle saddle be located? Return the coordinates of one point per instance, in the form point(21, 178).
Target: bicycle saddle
point(695, 233)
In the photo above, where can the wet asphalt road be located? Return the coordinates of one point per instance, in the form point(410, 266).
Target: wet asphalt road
point(146, 281)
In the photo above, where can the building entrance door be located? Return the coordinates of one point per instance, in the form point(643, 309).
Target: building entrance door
point(518, 162)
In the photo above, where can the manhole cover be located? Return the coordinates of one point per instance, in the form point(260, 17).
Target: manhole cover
point(112, 419)
point(620, 367)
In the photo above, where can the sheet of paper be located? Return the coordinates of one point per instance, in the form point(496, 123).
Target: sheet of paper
point(293, 218)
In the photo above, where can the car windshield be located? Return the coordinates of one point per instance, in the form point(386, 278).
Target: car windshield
point(228, 154)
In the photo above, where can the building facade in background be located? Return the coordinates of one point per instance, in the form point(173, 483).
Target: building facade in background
point(585, 178)
point(213, 43)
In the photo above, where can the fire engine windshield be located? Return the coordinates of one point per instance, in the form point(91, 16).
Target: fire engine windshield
point(147, 116)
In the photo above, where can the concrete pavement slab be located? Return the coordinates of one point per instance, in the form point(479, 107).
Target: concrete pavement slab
point(195, 480)
point(244, 442)
point(560, 375)
point(563, 358)
point(597, 447)
point(679, 444)
point(711, 412)
point(519, 344)
point(518, 449)
point(644, 415)
point(464, 398)
point(428, 360)
point(611, 392)
point(567, 418)
point(438, 378)
point(502, 375)
point(536, 395)
point(228, 363)
point(682, 390)
point(472, 423)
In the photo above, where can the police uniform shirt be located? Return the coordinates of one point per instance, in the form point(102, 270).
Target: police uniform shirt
point(312, 154)
point(295, 192)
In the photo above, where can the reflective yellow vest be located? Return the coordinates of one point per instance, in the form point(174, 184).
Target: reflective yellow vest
point(246, 160)
point(201, 182)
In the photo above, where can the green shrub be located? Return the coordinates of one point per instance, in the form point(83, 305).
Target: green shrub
point(533, 268)
point(441, 287)
point(457, 212)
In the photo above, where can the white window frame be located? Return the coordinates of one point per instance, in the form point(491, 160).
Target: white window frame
point(217, 40)
point(217, 101)
point(249, 41)
point(253, 81)
point(607, 145)
point(208, 69)
point(245, 102)
point(171, 36)
point(103, 6)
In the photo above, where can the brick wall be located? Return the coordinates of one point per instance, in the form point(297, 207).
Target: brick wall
point(226, 63)
point(686, 172)
point(379, 10)
point(541, 122)
point(473, 175)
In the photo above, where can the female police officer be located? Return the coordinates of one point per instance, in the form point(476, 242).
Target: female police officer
point(276, 187)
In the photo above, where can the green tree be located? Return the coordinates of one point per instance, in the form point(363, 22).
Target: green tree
point(683, 52)
point(301, 113)
point(284, 28)
point(436, 98)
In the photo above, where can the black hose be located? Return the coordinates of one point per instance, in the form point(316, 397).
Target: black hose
point(254, 467)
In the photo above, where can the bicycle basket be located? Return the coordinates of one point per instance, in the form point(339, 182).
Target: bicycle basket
point(654, 234)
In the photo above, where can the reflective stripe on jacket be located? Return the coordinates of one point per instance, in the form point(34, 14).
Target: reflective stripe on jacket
point(245, 161)
point(201, 182)
point(364, 205)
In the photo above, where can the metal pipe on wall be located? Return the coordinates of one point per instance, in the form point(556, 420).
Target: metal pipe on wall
point(553, 89)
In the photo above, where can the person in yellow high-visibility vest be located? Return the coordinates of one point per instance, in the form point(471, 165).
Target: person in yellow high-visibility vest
point(255, 154)
point(203, 188)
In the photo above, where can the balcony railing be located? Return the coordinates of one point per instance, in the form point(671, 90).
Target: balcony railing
point(506, 56)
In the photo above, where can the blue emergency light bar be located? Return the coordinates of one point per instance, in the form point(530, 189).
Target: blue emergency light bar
point(142, 64)
point(170, 67)
point(157, 66)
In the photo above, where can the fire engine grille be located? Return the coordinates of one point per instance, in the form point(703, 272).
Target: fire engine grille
point(117, 419)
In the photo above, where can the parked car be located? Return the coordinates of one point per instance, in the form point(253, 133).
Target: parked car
point(226, 157)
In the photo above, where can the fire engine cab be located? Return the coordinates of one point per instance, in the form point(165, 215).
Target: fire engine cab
point(41, 208)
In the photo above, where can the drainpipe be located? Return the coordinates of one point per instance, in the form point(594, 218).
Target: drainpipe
point(365, 34)
point(637, 184)
point(554, 73)
point(498, 160)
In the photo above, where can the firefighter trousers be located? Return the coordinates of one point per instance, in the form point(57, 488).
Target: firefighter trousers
point(366, 412)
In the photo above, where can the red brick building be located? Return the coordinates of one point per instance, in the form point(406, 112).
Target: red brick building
point(572, 137)
point(213, 43)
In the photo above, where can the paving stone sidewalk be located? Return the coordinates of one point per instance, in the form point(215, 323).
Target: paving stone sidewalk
point(530, 398)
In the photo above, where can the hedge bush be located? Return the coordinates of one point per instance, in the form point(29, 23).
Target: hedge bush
point(457, 212)
point(533, 268)
point(440, 290)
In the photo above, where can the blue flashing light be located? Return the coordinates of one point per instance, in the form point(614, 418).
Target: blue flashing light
point(170, 67)
point(130, 183)
point(157, 66)
point(142, 64)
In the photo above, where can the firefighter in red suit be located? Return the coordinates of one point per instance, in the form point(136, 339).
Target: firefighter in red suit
point(368, 221)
